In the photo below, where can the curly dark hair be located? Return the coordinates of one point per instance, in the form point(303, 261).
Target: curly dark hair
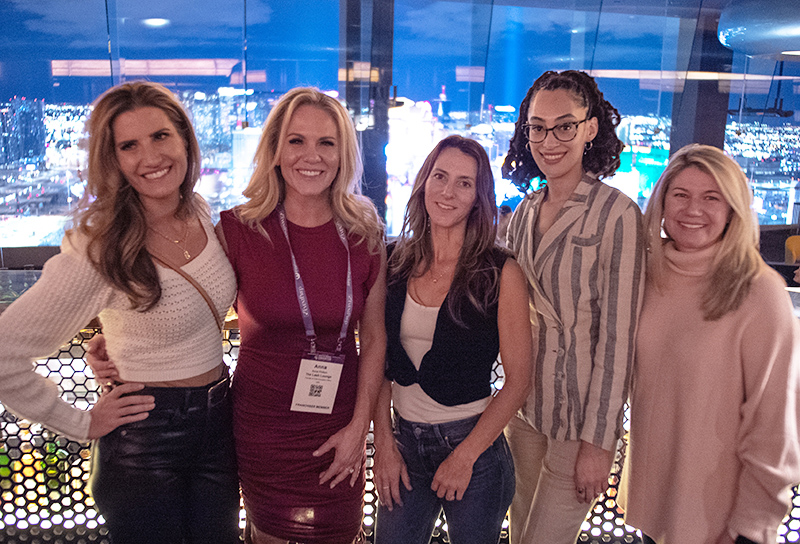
point(602, 159)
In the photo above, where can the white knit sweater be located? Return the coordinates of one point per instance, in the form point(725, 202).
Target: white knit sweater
point(178, 338)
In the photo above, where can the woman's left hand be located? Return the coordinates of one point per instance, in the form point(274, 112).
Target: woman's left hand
point(452, 477)
point(592, 469)
point(350, 444)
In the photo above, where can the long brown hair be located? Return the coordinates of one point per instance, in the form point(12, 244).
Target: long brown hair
point(476, 277)
point(110, 214)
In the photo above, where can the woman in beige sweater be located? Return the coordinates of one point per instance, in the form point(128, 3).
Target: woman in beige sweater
point(714, 410)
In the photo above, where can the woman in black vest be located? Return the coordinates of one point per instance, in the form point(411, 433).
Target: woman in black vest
point(455, 300)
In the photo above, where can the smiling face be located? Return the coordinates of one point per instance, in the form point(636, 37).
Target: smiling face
point(695, 211)
point(151, 154)
point(450, 188)
point(556, 159)
point(309, 157)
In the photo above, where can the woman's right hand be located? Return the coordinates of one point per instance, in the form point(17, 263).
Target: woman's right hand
point(389, 470)
point(113, 409)
point(105, 371)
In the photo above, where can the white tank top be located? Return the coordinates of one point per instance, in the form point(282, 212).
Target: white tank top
point(412, 403)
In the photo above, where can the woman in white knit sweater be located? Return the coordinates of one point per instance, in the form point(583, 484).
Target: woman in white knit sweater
point(164, 467)
point(714, 410)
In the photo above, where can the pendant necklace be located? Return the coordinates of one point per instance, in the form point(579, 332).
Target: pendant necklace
point(437, 278)
point(179, 243)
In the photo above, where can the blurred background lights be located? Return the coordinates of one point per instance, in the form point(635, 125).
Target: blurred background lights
point(155, 22)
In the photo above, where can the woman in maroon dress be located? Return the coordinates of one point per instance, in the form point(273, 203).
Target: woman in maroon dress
point(302, 393)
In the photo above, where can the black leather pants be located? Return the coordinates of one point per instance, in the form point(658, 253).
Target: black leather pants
point(171, 478)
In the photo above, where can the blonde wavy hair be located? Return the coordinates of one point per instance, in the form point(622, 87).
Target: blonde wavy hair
point(738, 260)
point(110, 214)
point(267, 187)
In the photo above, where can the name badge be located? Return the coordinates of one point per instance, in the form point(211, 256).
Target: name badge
point(317, 382)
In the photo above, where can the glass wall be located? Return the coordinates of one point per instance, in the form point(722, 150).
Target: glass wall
point(469, 75)
point(226, 63)
point(763, 133)
point(456, 66)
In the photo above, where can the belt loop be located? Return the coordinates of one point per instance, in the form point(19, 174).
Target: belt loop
point(187, 401)
point(437, 431)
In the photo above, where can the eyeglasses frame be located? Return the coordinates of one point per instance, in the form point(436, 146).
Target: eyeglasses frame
point(526, 128)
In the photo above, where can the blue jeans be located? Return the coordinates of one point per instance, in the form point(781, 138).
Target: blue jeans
point(171, 478)
point(477, 518)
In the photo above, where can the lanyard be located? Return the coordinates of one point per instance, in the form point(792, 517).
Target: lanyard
point(302, 299)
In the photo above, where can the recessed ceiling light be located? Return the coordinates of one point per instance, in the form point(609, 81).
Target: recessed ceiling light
point(795, 53)
point(155, 22)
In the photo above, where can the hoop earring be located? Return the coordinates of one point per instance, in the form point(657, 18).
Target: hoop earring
point(587, 146)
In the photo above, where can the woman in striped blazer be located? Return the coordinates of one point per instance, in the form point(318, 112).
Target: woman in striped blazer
point(581, 246)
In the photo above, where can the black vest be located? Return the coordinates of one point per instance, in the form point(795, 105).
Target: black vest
point(458, 367)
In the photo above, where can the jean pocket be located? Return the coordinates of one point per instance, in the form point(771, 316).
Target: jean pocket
point(454, 433)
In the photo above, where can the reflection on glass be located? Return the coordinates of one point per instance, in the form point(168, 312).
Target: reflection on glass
point(15, 282)
point(466, 77)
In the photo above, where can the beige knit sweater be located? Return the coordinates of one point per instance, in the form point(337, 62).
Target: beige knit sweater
point(176, 339)
point(714, 410)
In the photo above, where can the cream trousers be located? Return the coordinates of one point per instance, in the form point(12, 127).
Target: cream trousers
point(545, 509)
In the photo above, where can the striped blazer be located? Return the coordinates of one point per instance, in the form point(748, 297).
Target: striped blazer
point(585, 282)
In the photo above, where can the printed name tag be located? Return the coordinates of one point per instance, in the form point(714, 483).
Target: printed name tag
point(317, 383)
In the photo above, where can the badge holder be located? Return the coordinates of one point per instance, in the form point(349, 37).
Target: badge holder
point(320, 371)
point(317, 382)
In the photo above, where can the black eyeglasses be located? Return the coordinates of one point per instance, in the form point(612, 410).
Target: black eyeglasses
point(565, 132)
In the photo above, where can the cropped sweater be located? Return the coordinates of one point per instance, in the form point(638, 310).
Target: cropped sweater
point(458, 367)
point(176, 339)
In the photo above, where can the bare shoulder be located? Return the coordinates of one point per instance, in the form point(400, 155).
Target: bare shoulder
point(512, 277)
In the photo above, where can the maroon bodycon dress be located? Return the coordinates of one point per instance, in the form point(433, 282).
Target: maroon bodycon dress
point(279, 476)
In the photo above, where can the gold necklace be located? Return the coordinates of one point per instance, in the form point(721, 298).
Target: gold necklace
point(436, 279)
point(178, 243)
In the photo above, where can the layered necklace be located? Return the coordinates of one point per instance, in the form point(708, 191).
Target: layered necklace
point(180, 243)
